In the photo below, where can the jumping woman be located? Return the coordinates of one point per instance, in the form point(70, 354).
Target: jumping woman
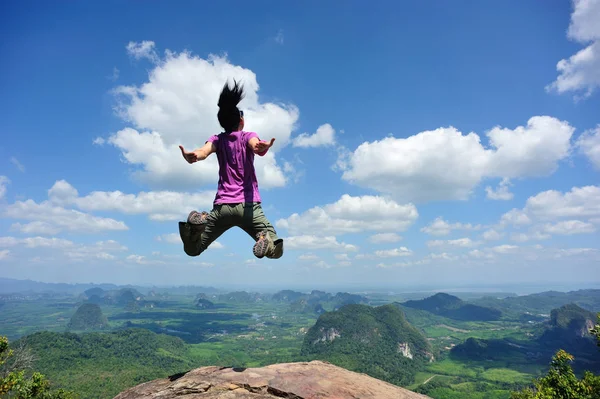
point(237, 202)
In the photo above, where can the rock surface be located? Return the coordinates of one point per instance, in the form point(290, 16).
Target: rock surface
point(303, 380)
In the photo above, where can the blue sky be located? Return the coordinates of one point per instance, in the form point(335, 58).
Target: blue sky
point(417, 143)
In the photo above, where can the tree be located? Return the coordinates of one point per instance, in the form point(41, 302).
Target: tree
point(596, 330)
point(561, 382)
point(13, 380)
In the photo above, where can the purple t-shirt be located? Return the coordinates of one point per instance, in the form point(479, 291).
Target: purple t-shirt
point(237, 177)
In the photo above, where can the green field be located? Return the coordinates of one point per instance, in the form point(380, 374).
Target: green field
point(252, 333)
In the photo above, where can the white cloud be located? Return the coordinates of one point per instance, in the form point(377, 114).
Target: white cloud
point(317, 242)
point(589, 144)
point(579, 202)
point(569, 227)
point(36, 227)
point(144, 49)
point(584, 20)
point(444, 164)
point(581, 71)
point(534, 235)
point(342, 257)
point(492, 235)
point(4, 254)
point(158, 205)
point(178, 105)
point(501, 193)
point(352, 215)
point(459, 242)
point(48, 217)
point(385, 238)
point(395, 252)
point(99, 141)
point(72, 251)
point(18, 164)
point(441, 227)
point(505, 249)
point(3, 183)
point(324, 136)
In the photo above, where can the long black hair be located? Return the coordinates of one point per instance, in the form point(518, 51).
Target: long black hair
point(229, 114)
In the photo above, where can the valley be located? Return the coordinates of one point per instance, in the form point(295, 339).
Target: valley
point(434, 343)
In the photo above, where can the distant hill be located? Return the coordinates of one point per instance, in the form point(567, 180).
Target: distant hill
point(454, 308)
point(88, 317)
point(378, 341)
point(287, 296)
point(317, 301)
point(304, 306)
point(202, 303)
point(544, 302)
point(240, 297)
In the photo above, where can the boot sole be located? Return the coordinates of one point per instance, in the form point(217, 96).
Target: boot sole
point(261, 248)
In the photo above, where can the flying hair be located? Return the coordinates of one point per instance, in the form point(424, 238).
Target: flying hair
point(229, 114)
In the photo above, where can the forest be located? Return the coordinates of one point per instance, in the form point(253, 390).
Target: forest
point(97, 341)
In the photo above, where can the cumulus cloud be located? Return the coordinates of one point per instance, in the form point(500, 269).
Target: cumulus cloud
point(352, 215)
point(464, 242)
point(158, 205)
point(491, 235)
point(589, 144)
point(569, 227)
point(579, 202)
point(552, 212)
point(395, 252)
point(501, 193)
point(580, 73)
point(441, 227)
point(4, 254)
point(48, 218)
point(444, 164)
point(324, 136)
point(317, 242)
point(178, 105)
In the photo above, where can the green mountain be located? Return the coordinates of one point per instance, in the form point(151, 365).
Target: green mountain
point(454, 308)
point(100, 365)
point(378, 341)
point(569, 328)
point(88, 317)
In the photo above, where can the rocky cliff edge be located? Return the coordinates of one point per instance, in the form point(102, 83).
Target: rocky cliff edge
point(302, 380)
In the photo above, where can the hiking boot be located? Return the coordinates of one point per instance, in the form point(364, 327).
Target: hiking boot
point(264, 244)
point(190, 238)
point(196, 217)
point(277, 250)
point(191, 231)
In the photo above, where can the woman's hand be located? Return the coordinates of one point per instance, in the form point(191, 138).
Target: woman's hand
point(263, 146)
point(190, 157)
